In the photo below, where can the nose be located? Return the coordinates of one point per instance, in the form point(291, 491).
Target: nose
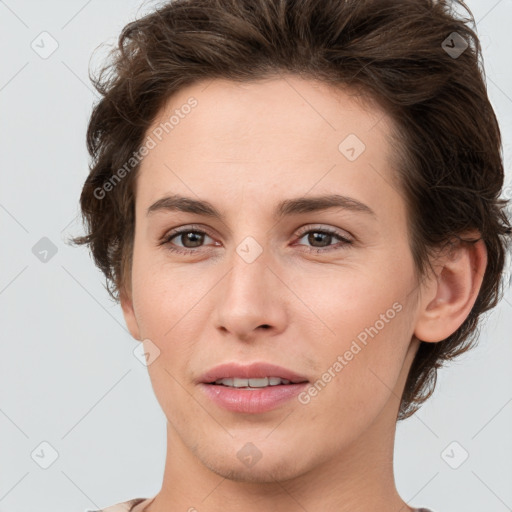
point(251, 300)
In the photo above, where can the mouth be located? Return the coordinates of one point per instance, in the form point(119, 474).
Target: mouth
point(255, 383)
point(253, 376)
point(254, 388)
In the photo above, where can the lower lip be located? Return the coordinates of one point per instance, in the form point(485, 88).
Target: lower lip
point(252, 400)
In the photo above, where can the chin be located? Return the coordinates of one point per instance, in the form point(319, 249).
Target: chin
point(263, 471)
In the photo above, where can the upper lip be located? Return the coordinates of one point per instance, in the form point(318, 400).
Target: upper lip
point(250, 371)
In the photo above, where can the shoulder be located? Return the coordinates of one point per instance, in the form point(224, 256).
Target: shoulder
point(133, 505)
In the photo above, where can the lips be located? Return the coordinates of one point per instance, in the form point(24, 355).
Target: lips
point(251, 371)
point(225, 386)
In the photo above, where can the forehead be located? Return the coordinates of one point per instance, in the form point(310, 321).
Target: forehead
point(279, 134)
point(295, 109)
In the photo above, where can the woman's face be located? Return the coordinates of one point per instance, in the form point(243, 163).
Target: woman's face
point(327, 294)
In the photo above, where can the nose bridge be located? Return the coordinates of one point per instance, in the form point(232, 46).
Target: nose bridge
point(248, 298)
point(248, 275)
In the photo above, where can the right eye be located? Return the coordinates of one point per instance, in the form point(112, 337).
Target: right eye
point(190, 239)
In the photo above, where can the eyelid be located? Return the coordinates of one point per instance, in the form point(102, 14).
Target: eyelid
point(186, 228)
point(336, 232)
point(304, 229)
point(328, 229)
point(165, 239)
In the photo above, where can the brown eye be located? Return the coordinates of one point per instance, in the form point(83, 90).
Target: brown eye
point(184, 241)
point(322, 238)
point(190, 239)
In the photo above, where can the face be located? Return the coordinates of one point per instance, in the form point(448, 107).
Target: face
point(277, 275)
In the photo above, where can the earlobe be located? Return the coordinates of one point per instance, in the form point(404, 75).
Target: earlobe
point(129, 314)
point(451, 293)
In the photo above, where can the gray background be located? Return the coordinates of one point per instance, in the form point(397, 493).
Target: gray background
point(68, 374)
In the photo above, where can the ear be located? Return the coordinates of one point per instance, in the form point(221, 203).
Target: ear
point(448, 295)
point(129, 313)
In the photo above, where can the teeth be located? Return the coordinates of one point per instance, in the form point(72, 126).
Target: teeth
point(253, 383)
point(258, 383)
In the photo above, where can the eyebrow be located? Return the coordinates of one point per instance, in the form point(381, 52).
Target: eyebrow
point(287, 207)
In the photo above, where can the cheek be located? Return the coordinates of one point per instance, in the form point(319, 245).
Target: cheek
point(361, 354)
point(164, 295)
point(352, 302)
point(171, 311)
point(358, 382)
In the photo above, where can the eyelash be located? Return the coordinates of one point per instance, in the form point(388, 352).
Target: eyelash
point(166, 241)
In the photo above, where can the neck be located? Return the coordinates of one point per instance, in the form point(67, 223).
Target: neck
point(358, 478)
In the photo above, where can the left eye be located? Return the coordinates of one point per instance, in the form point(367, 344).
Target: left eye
point(193, 238)
point(324, 236)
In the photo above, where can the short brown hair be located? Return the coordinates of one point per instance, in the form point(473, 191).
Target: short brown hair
point(408, 55)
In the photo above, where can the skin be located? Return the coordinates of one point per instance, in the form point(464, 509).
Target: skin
point(244, 148)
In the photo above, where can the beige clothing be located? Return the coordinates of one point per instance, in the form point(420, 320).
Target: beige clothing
point(139, 504)
point(134, 505)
